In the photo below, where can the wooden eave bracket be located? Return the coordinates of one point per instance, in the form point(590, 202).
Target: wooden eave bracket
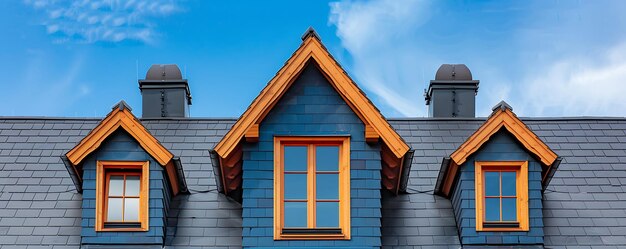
point(252, 134)
point(371, 136)
point(502, 116)
point(122, 117)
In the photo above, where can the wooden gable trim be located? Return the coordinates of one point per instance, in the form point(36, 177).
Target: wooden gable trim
point(507, 119)
point(502, 116)
point(122, 117)
point(311, 49)
point(119, 118)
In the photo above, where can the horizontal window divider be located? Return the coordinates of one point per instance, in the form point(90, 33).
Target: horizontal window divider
point(488, 224)
point(311, 231)
point(305, 136)
point(133, 224)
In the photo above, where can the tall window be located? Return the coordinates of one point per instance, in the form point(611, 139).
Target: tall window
point(312, 193)
point(502, 196)
point(122, 196)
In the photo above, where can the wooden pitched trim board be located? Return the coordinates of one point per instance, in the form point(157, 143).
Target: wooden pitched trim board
point(499, 118)
point(312, 49)
point(516, 127)
point(122, 118)
point(116, 119)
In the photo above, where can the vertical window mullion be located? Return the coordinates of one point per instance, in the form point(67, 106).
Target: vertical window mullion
point(124, 198)
point(311, 186)
point(517, 189)
point(281, 194)
point(500, 193)
point(107, 183)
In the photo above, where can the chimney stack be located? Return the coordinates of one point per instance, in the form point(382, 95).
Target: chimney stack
point(453, 93)
point(164, 92)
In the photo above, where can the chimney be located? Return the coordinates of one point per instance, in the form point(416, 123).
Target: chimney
point(164, 92)
point(453, 93)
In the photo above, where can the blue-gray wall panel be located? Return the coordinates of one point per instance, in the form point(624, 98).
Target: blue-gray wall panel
point(311, 107)
point(122, 147)
point(501, 147)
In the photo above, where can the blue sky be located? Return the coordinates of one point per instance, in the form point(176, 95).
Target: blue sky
point(546, 58)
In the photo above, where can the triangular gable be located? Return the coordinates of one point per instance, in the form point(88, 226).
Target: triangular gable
point(501, 118)
point(121, 117)
point(311, 49)
point(504, 117)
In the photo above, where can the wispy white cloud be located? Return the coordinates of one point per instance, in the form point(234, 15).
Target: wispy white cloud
point(91, 21)
point(578, 86)
point(545, 58)
point(376, 34)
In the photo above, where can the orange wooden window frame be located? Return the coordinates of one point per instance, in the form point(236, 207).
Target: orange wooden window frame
point(521, 169)
point(103, 174)
point(344, 186)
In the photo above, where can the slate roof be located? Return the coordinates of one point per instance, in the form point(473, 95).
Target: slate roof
point(38, 204)
point(584, 206)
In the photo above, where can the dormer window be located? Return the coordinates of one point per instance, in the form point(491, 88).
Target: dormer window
point(312, 197)
point(122, 196)
point(502, 196)
point(495, 178)
point(128, 178)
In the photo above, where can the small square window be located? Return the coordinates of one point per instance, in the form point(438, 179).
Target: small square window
point(502, 196)
point(122, 196)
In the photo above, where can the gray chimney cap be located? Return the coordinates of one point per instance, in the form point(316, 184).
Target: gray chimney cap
point(164, 72)
point(453, 72)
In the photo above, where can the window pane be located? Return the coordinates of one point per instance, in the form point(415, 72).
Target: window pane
point(509, 209)
point(295, 186)
point(327, 214)
point(492, 209)
point(295, 158)
point(508, 184)
point(131, 209)
point(295, 214)
point(327, 186)
point(132, 186)
point(114, 210)
point(327, 158)
point(116, 186)
point(492, 183)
